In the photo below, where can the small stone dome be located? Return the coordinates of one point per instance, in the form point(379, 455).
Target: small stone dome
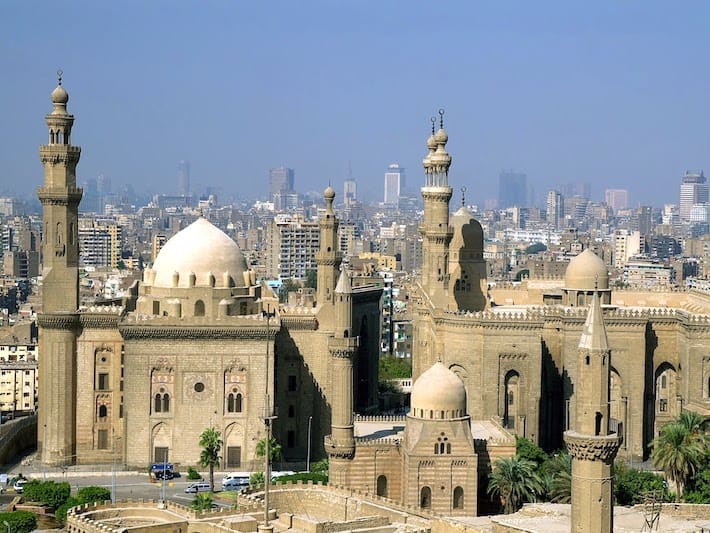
point(329, 193)
point(431, 142)
point(202, 249)
point(587, 272)
point(438, 393)
point(60, 95)
point(441, 137)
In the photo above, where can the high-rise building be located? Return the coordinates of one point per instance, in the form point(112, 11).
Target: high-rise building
point(693, 190)
point(349, 191)
point(616, 198)
point(394, 183)
point(184, 177)
point(555, 209)
point(580, 188)
point(512, 189)
point(281, 181)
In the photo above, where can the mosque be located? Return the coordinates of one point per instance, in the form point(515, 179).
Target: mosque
point(201, 343)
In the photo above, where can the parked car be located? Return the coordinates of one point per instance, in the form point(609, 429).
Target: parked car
point(19, 485)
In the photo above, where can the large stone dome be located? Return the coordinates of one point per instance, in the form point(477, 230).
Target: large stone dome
point(467, 239)
point(438, 393)
point(203, 250)
point(587, 272)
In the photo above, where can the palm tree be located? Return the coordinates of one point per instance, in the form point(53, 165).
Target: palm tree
point(515, 481)
point(202, 502)
point(678, 452)
point(211, 444)
point(560, 468)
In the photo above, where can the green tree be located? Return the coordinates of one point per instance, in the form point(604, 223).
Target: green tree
point(699, 488)
point(311, 279)
point(93, 494)
point(211, 444)
point(394, 368)
point(274, 449)
point(558, 469)
point(61, 513)
point(631, 485)
point(535, 248)
point(528, 450)
point(202, 502)
point(678, 452)
point(256, 479)
point(515, 481)
point(47, 492)
point(193, 474)
point(20, 521)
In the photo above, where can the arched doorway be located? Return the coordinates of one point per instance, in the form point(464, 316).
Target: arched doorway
point(382, 486)
point(666, 404)
point(425, 498)
point(511, 400)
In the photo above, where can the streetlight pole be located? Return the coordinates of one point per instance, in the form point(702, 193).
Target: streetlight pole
point(308, 457)
point(268, 416)
point(113, 473)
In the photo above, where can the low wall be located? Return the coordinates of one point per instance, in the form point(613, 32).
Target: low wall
point(16, 436)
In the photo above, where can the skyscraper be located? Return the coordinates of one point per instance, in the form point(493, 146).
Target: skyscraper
point(349, 191)
point(183, 177)
point(555, 209)
point(394, 182)
point(512, 189)
point(693, 190)
point(281, 181)
point(616, 198)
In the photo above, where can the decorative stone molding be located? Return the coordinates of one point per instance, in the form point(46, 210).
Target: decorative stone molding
point(98, 321)
point(591, 448)
point(133, 331)
point(342, 353)
point(68, 321)
point(339, 450)
point(302, 323)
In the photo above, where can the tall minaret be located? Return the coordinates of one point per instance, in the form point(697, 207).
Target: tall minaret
point(591, 443)
point(435, 230)
point(328, 258)
point(58, 321)
point(340, 444)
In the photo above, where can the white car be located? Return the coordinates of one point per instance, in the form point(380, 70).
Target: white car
point(19, 485)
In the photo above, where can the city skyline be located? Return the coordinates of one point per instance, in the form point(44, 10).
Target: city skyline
point(560, 93)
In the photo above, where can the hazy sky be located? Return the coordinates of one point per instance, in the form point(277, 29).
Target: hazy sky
point(614, 93)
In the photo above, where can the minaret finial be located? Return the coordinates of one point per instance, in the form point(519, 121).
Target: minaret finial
point(59, 76)
point(441, 117)
point(463, 196)
point(433, 125)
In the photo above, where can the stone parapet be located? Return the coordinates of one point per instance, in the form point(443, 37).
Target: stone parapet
point(67, 321)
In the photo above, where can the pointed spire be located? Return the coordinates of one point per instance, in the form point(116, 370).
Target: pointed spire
point(463, 196)
point(344, 285)
point(594, 333)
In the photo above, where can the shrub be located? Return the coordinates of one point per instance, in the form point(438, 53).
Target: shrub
point(256, 478)
point(319, 477)
point(320, 466)
point(61, 512)
point(47, 492)
point(20, 521)
point(528, 450)
point(193, 474)
point(631, 485)
point(93, 494)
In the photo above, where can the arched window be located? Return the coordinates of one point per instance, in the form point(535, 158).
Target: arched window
point(230, 403)
point(425, 498)
point(436, 449)
point(166, 403)
point(448, 447)
point(382, 486)
point(238, 403)
point(102, 411)
point(458, 498)
point(291, 411)
point(199, 308)
point(157, 404)
point(512, 399)
point(441, 447)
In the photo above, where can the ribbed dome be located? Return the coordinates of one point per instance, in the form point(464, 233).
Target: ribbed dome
point(60, 95)
point(587, 272)
point(437, 391)
point(202, 249)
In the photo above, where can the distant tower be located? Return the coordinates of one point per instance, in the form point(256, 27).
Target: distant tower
point(435, 230)
point(616, 198)
point(349, 191)
point(555, 209)
point(512, 190)
point(591, 443)
point(693, 190)
point(343, 345)
point(328, 258)
point(58, 321)
point(394, 183)
point(281, 181)
point(184, 177)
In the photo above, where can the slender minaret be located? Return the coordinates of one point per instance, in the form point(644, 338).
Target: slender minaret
point(328, 258)
point(340, 444)
point(591, 443)
point(58, 321)
point(435, 230)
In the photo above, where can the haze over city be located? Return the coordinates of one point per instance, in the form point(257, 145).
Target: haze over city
point(608, 92)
